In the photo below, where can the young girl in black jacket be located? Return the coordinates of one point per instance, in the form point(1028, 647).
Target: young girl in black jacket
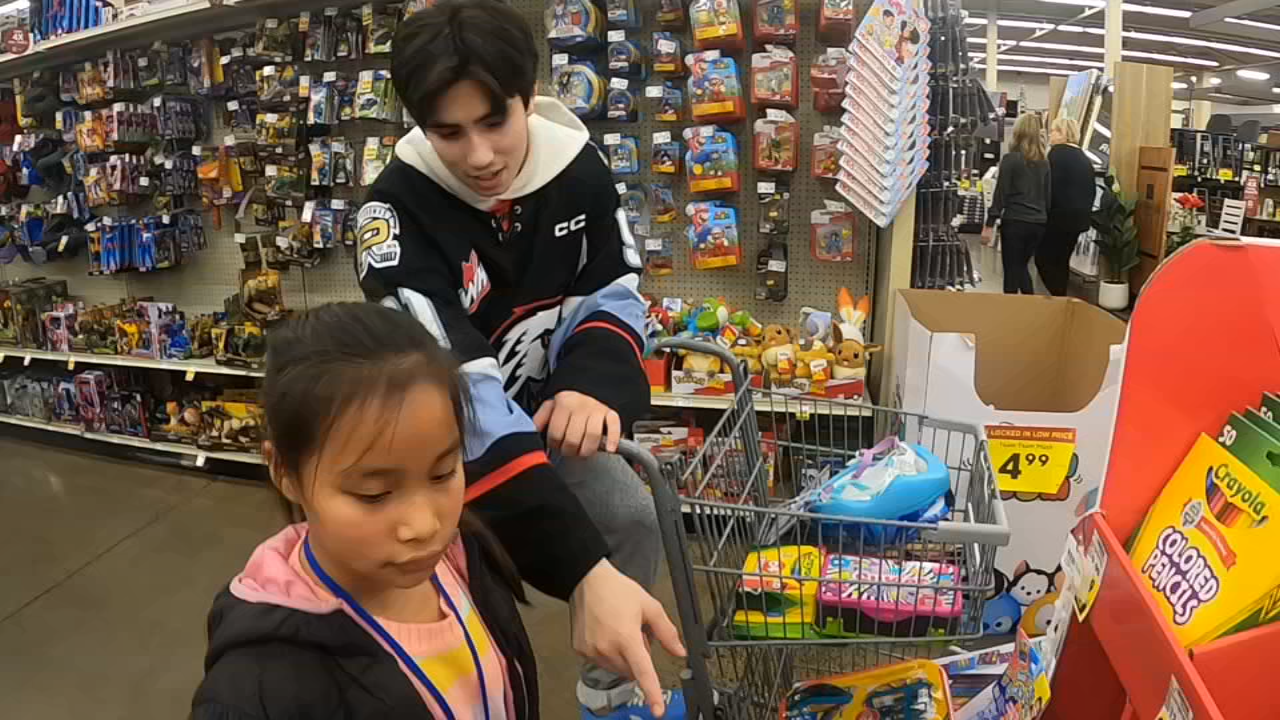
point(378, 606)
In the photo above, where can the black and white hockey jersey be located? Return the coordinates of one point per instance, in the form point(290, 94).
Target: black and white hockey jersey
point(535, 292)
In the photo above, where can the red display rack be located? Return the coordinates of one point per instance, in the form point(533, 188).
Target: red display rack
point(1203, 342)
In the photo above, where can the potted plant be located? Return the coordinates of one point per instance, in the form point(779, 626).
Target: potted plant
point(1117, 239)
point(1186, 220)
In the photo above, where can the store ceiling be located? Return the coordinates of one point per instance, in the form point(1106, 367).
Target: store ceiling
point(1256, 49)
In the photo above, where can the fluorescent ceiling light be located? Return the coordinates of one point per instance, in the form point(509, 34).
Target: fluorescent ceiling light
point(1215, 81)
point(1028, 69)
point(1252, 23)
point(1137, 35)
point(1128, 7)
point(1253, 74)
point(1177, 59)
point(1179, 85)
point(1039, 59)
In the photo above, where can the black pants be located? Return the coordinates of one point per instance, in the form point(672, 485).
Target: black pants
point(1018, 243)
point(1053, 257)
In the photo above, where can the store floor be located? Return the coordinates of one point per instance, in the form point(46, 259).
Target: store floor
point(107, 569)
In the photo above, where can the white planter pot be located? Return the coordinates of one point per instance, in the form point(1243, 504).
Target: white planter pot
point(1113, 296)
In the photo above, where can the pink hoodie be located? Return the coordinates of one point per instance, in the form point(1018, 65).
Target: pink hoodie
point(273, 577)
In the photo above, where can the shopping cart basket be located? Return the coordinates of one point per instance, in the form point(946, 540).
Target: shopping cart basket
point(722, 505)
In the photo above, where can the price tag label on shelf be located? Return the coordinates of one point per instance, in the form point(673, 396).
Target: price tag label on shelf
point(164, 219)
point(308, 208)
point(662, 137)
point(620, 187)
point(155, 102)
point(304, 21)
point(271, 170)
point(619, 83)
point(272, 117)
point(91, 227)
point(654, 244)
point(642, 229)
point(1176, 706)
point(196, 150)
point(168, 163)
point(617, 35)
point(684, 402)
point(226, 192)
point(62, 243)
point(331, 11)
point(26, 361)
point(304, 86)
point(282, 242)
point(366, 14)
point(666, 46)
point(338, 204)
point(653, 91)
point(71, 363)
point(229, 139)
point(776, 266)
point(224, 60)
point(191, 375)
point(106, 220)
point(241, 238)
point(330, 76)
point(144, 181)
point(233, 105)
point(237, 52)
point(1031, 459)
point(559, 59)
point(776, 115)
point(144, 61)
point(272, 23)
point(835, 206)
point(200, 460)
point(268, 69)
point(612, 138)
point(1, 357)
point(766, 187)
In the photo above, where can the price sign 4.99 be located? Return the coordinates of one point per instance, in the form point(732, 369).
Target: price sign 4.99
point(1030, 459)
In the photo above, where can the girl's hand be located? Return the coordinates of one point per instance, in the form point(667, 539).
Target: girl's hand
point(575, 423)
point(609, 613)
point(988, 236)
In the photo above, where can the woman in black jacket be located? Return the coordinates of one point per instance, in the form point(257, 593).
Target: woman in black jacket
point(1020, 204)
point(1073, 189)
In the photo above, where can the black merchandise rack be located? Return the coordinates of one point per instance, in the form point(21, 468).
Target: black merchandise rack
point(959, 107)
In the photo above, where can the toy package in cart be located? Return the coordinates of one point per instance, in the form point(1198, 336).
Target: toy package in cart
point(871, 595)
point(914, 690)
point(776, 597)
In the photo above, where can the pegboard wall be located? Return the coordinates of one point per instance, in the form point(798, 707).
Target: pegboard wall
point(203, 284)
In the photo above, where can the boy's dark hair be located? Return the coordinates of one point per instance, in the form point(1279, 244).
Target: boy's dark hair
point(482, 40)
point(335, 358)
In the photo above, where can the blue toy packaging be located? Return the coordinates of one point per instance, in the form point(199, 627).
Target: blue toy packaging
point(831, 233)
point(713, 235)
point(622, 13)
point(625, 57)
point(711, 163)
point(666, 154)
point(662, 204)
point(578, 86)
point(671, 105)
point(715, 94)
point(622, 101)
point(624, 154)
point(576, 24)
point(913, 690)
point(776, 21)
point(670, 13)
point(667, 58)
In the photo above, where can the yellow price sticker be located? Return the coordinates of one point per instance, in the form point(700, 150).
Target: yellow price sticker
point(1030, 459)
point(191, 375)
point(71, 363)
point(1226, 174)
point(1179, 170)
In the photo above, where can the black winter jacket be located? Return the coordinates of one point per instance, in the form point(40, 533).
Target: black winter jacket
point(267, 662)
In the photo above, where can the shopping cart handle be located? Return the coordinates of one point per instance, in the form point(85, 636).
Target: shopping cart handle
point(632, 452)
point(735, 363)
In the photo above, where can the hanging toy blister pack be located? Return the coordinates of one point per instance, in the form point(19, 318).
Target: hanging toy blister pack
point(825, 157)
point(574, 24)
point(711, 162)
point(659, 256)
point(777, 141)
point(713, 235)
point(662, 204)
point(670, 13)
point(831, 233)
point(776, 21)
point(716, 24)
point(666, 154)
point(621, 105)
point(715, 93)
point(827, 77)
point(622, 13)
point(578, 86)
point(667, 58)
point(624, 154)
point(774, 81)
point(625, 57)
point(835, 21)
point(671, 105)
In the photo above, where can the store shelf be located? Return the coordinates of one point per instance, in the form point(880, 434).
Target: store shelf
point(240, 457)
point(764, 402)
point(206, 366)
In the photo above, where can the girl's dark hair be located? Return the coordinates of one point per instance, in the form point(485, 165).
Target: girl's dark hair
point(455, 40)
point(332, 359)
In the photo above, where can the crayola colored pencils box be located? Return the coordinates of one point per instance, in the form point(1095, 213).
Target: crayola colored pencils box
point(1206, 547)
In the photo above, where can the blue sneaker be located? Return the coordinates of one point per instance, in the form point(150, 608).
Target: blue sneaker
point(637, 709)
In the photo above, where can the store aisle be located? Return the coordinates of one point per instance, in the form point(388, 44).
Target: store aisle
point(107, 569)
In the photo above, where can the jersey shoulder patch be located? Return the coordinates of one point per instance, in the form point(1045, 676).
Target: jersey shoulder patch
point(377, 236)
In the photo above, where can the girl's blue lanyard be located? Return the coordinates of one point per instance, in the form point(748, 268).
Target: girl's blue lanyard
point(395, 646)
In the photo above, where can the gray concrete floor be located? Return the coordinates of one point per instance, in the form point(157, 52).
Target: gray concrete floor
point(107, 569)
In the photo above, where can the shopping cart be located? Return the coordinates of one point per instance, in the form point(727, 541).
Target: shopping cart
point(723, 504)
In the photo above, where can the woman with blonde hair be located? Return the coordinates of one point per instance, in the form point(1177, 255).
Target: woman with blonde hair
point(1021, 203)
point(1071, 175)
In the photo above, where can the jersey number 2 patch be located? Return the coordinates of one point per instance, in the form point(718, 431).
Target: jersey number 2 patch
point(377, 236)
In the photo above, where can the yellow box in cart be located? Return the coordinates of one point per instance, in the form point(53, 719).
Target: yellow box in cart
point(1206, 548)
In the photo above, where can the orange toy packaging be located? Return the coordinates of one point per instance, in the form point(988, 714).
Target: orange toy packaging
point(831, 235)
point(826, 77)
point(776, 21)
point(777, 141)
point(835, 21)
point(773, 78)
point(716, 24)
point(715, 95)
point(826, 153)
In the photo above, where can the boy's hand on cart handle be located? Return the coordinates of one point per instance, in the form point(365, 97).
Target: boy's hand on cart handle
point(610, 613)
point(576, 423)
point(988, 236)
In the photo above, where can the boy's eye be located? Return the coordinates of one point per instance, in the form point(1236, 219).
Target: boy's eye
point(495, 123)
point(448, 134)
point(372, 498)
point(445, 477)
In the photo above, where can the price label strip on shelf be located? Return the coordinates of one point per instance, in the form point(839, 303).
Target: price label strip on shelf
point(1175, 705)
point(1031, 459)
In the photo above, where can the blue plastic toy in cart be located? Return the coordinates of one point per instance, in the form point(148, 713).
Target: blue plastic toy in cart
point(891, 481)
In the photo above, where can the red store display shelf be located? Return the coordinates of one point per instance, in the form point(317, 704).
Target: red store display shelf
point(1203, 342)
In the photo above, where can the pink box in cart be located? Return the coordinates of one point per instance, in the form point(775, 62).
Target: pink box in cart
point(853, 599)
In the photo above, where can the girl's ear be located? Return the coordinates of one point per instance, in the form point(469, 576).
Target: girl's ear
point(284, 482)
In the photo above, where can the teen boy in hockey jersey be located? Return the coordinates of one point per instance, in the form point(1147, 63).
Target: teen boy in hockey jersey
point(498, 227)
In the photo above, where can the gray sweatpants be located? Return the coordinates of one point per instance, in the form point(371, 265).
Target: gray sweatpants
point(622, 507)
